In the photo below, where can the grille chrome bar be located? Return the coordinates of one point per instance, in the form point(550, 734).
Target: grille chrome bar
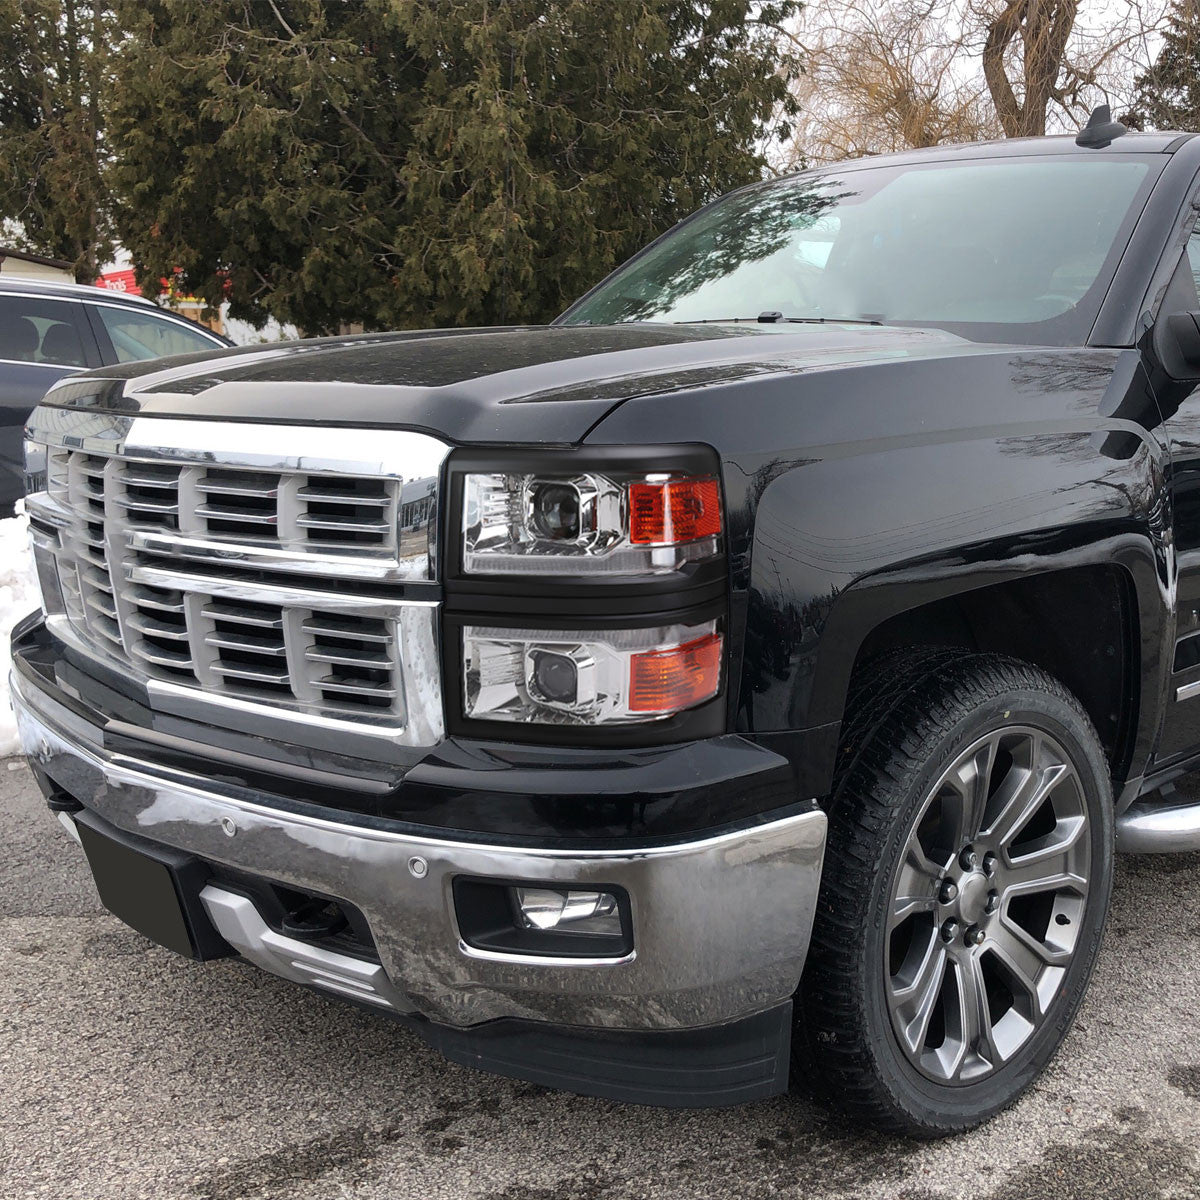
point(340, 477)
point(155, 557)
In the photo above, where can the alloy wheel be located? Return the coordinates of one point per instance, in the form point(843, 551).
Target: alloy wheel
point(987, 905)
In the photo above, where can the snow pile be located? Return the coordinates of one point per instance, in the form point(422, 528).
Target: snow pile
point(18, 597)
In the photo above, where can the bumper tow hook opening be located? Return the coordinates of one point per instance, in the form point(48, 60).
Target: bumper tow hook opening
point(313, 920)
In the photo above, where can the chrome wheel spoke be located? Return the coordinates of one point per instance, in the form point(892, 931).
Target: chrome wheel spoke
point(1019, 802)
point(1049, 871)
point(915, 1001)
point(915, 890)
point(970, 778)
point(972, 1021)
point(909, 906)
point(1025, 959)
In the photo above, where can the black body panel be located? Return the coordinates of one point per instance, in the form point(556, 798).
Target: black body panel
point(975, 471)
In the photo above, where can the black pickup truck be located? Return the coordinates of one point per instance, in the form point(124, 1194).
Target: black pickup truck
point(750, 673)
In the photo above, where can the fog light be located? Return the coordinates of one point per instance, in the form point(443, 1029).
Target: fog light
point(549, 909)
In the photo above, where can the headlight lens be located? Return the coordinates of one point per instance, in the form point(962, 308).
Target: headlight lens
point(558, 511)
point(588, 524)
point(555, 677)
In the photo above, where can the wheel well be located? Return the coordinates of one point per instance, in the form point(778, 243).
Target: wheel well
point(1078, 624)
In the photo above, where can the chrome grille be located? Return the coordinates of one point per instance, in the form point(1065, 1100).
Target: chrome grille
point(127, 594)
point(157, 630)
point(148, 494)
point(292, 511)
point(78, 481)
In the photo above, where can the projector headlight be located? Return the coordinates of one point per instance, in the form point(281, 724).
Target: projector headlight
point(589, 523)
point(589, 677)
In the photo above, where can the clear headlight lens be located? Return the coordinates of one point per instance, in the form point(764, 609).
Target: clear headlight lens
point(591, 677)
point(588, 523)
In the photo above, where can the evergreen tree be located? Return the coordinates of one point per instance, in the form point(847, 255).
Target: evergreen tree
point(401, 163)
point(52, 55)
point(1168, 95)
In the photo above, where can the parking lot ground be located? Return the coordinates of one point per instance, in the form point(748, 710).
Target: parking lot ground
point(128, 1072)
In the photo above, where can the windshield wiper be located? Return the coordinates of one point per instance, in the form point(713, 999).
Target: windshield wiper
point(831, 320)
point(773, 318)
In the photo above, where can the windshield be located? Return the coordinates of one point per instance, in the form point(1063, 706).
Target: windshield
point(1007, 249)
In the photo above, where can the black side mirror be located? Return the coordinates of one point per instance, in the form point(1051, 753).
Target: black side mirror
point(1176, 341)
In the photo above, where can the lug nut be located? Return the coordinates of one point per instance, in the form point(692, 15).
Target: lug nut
point(974, 936)
point(989, 863)
point(969, 859)
point(949, 892)
point(993, 902)
point(950, 930)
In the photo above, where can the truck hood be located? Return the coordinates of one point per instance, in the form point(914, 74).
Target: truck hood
point(544, 384)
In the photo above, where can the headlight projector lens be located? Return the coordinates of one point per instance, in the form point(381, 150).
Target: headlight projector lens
point(556, 511)
point(555, 677)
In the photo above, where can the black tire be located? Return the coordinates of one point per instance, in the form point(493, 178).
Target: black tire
point(911, 719)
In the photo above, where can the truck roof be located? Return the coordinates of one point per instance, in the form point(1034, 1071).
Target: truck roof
point(1165, 142)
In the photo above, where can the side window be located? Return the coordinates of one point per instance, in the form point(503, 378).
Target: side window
point(1183, 292)
point(40, 331)
point(137, 335)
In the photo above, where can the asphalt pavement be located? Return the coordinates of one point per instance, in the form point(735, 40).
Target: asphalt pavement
point(127, 1072)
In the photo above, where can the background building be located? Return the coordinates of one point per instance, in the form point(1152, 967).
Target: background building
point(35, 266)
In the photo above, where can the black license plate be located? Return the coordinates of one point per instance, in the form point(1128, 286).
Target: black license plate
point(145, 887)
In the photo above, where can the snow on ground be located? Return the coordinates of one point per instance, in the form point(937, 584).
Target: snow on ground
point(18, 597)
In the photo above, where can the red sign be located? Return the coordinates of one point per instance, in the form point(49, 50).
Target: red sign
point(120, 281)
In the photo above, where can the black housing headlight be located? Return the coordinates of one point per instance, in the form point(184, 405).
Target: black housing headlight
point(587, 589)
point(536, 516)
point(589, 677)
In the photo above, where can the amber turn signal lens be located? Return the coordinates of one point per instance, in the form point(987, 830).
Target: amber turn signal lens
point(667, 681)
point(678, 510)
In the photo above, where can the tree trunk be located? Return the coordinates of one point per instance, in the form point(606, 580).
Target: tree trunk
point(1044, 27)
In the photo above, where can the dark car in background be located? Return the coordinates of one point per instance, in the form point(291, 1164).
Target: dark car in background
point(48, 330)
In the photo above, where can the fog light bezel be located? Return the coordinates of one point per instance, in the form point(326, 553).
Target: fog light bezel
point(487, 921)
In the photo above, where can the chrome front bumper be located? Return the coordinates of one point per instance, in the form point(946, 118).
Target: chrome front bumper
point(721, 924)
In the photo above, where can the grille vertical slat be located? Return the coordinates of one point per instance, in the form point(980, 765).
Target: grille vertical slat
point(79, 479)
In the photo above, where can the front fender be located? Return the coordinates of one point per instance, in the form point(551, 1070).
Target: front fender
point(862, 491)
point(843, 545)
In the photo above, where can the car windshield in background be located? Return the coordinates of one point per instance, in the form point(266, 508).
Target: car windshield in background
point(1011, 249)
